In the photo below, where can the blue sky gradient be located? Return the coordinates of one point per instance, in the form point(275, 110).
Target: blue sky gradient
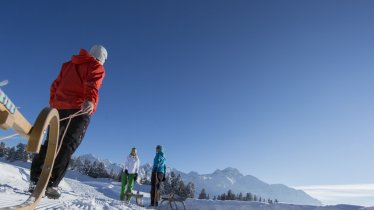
point(282, 90)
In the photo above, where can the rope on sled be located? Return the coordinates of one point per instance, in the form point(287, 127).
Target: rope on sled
point(70, 117)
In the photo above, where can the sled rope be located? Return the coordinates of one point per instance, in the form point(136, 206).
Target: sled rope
point(78, 113)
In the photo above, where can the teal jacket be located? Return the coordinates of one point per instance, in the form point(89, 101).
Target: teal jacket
point(159, 163)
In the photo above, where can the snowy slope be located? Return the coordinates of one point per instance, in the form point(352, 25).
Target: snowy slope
point(242, 205)
point(76, 194)
point(81, 192)
point(221, 181)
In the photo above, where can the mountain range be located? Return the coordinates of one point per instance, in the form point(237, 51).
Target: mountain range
point(220, 181)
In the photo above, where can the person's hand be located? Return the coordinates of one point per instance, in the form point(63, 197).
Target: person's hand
point(126, 172)
point(164, 178)
point(88, 107)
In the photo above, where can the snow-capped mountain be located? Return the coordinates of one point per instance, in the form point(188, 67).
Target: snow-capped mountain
point(220, 181)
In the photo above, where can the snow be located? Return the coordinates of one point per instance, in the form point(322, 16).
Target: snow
point(85, 194)
point(82, 192)
point(243, 205)
point(232, 181)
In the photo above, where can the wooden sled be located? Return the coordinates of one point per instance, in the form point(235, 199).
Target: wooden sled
point(138, 198)
point(172, 202)
point(11, 118)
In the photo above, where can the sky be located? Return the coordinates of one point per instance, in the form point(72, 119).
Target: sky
point(362, 194)
point(282, 90)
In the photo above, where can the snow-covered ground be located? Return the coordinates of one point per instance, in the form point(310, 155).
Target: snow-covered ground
point(76, 194)
point(82, 192)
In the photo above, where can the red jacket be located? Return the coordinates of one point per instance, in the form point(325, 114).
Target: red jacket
point(79, 79)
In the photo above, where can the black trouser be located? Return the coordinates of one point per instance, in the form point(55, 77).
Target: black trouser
point(155, 187)
point(73, 137)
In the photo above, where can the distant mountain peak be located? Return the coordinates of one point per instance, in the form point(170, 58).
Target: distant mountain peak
point(229, 171)
point(90, 157)
point(233, 171)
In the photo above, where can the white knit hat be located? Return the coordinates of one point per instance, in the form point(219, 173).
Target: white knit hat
point(99, 52)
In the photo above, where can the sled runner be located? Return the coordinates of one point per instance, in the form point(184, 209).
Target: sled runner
point(12, 119)
point(138, 198)
point(172, 202)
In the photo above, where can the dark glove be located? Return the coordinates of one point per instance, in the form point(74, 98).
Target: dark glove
point(126, 172)
point(136, 177)
point(164, 178)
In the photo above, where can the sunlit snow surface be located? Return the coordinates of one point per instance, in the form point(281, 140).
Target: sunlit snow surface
point(82, 192)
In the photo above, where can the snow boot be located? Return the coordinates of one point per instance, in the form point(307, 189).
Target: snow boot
point(32, 186)
point(53, 193)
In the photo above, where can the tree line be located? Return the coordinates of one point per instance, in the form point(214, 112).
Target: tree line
point(94, 169)
point(238, 197)
point(17, 152)
point(174, 184)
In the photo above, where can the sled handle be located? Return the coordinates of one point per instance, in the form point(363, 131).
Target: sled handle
point(11, 118)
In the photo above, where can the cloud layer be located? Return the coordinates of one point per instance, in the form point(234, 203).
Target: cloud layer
point(359, 194)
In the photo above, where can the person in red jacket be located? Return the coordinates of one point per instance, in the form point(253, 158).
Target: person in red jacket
point(75, 89)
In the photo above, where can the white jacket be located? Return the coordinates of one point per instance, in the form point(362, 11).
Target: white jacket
point(132, 164)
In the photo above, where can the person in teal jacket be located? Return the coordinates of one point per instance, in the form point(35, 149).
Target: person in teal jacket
point(158, 175)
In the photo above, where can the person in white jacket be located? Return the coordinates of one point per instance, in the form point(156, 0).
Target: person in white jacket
point(130, 174)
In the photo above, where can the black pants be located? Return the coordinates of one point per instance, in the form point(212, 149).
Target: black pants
point(73, 137)
point(155, 187)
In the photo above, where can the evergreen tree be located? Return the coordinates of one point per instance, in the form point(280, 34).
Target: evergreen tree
point(86, 168)
point(20, 153)
point(11, 154)
point(181, 189)
point(79, 165)
point(167, 187)
point(249, 197)
point(254, 198)
point(230, 195)
point(202, 194)
point(240, 196)
point(276, 201)
point(101, 171)
point(190, 188)
point(223, 196)
point(174, 184)
point(2, 149)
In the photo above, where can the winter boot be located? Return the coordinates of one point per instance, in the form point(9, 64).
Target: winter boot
point(53, 192)
point(32, 186)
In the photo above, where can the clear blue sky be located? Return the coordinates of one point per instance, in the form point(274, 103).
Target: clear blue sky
point(282, 90)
